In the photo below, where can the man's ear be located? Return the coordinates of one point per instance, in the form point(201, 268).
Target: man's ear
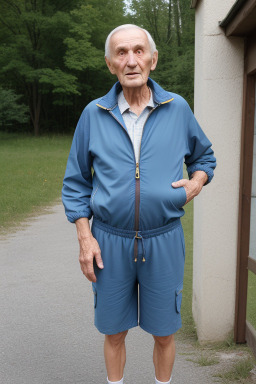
point(110, 66)
point(154, 61)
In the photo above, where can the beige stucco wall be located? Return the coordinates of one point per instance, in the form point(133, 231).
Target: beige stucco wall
point(218, 109)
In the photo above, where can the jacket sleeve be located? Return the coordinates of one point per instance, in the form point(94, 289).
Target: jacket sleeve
point(77, 182)
point(200, 156)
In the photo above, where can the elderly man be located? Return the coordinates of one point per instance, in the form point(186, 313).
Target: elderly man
point(136, 138)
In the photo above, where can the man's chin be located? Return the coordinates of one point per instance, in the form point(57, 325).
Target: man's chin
point(133, 83)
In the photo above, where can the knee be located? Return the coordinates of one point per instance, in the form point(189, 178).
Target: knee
point(164, 341)
point(117, 339)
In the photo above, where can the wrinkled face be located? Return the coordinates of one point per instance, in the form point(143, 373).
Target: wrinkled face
point(130, 57)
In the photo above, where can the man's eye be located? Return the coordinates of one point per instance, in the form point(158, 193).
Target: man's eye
point(121, 53)
point(139, 51)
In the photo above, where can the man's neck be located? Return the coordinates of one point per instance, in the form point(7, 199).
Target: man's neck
point(137, 98)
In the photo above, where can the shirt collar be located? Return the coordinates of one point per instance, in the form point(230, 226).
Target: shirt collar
point(124, 106)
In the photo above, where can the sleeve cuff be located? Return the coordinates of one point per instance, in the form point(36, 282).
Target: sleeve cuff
point(78, 215)
point(198, 167)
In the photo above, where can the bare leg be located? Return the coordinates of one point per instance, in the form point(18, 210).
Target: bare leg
point(115, 355)
point(163, 356)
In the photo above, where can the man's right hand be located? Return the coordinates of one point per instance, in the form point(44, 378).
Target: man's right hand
point(89, 249)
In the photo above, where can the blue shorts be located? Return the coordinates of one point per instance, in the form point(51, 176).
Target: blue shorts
point(146, 292)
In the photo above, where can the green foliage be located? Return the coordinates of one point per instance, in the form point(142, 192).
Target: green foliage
point(240, 370)
point(52, 52)
point(10, 109)
point(204, 361)
point(26, 59)
point(81, 54)
point(60, 81)
point(176, 72)
point(251, 302)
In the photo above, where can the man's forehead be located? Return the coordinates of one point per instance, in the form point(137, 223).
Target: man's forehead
point(129, 36)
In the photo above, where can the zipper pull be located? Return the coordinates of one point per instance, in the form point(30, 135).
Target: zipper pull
point(137, 174)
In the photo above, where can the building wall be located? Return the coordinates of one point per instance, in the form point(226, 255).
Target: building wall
point(219, 63)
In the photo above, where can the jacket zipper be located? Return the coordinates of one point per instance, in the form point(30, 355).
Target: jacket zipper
point(137, 177)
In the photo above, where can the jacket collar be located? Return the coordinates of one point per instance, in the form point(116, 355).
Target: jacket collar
point(109, 101)
point(124, 106)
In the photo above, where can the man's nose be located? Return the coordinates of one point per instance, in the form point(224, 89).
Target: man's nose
point(132, 62)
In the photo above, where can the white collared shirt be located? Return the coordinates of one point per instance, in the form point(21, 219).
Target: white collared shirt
point(134, 123)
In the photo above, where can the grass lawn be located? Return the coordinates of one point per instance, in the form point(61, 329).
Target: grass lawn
point(32, 171)
point(188, 329)
point(251, 299)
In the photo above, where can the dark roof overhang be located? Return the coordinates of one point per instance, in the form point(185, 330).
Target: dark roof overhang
point(241, 19)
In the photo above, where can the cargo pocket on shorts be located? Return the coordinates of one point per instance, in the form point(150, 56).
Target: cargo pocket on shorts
point(95, 295)
point(182, 240)
point(178, 293)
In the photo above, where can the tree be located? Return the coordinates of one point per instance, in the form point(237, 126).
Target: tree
point(24, 56)
point(10, 108)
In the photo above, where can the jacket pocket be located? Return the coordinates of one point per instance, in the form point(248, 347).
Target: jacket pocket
point(178, 293)
point(95, 295)
point(93, 197)
point(184, 196)
point(178, 197)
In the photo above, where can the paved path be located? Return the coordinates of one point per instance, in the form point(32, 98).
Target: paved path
point(46, 327)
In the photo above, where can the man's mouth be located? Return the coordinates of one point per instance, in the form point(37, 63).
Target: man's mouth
point(131, 73)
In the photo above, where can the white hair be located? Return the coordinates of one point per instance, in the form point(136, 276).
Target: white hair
point(125, 27)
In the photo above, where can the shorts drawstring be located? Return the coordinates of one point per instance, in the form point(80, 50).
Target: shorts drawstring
point(139, 236)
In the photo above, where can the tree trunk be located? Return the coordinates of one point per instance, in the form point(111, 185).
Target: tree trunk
point(169, 27)
point(155, 13)
point(177, 23)
point(37, 117)
point(35, 107)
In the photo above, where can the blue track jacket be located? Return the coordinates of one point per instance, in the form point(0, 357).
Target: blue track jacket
point(120, 192)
